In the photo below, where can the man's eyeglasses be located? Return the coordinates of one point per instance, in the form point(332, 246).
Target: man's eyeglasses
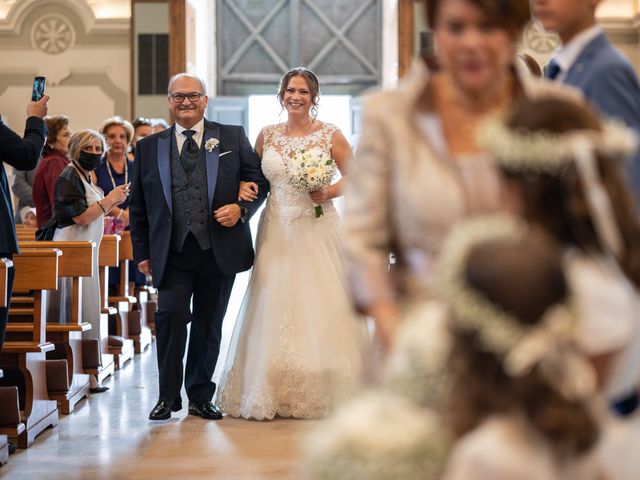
point(179, 97)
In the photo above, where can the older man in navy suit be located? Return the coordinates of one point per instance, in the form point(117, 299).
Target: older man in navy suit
point(21, 154)
point(588, 61)
point(192, 234)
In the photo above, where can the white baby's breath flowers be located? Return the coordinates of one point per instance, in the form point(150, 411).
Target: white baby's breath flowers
point(497, 330)
point(416, 367)
point(377, 436)
point(545, 152)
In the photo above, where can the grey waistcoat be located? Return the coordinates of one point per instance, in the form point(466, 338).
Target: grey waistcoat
point(189, 196)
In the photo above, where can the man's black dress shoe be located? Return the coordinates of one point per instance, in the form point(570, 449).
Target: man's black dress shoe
point(177, 404)
point(99, 389)
point(162, 411)
point(205, 409)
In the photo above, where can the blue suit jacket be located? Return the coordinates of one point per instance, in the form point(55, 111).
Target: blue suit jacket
point(610, 83)
point(22, 154)
point(151, 209)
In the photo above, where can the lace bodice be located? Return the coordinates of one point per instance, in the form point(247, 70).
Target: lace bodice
point(285, 200)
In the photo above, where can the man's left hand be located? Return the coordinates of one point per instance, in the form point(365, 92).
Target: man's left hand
point(228, 215)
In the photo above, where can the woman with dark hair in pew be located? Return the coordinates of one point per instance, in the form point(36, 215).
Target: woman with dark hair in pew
point(54, 158)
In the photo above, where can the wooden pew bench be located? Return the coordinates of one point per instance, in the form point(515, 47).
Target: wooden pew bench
point(5, 264)
point(65, 324)
point(121, 348)
point(25, 233)
point(23, 356)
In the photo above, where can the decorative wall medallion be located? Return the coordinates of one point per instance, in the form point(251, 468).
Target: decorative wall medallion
point(538, 40)
point(53, 34)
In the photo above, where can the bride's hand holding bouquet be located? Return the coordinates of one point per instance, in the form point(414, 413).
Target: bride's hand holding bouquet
point(312, 171)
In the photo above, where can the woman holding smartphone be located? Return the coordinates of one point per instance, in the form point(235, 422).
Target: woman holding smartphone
point(79, 210)
point(117, 168)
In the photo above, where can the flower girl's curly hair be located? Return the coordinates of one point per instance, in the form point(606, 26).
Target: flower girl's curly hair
point(523, 277)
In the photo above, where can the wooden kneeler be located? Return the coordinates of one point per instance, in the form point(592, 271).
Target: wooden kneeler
point(5, 264)
point(36, 271)
point(130, 321)
point(76, 262)
point(122, 351)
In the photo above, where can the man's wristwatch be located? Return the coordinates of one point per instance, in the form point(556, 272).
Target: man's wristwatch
point(243, 213)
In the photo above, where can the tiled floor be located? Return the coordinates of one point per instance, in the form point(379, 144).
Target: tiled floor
point(109, 436)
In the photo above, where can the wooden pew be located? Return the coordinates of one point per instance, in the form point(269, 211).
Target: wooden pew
point(25, 233)
point(130, 322)
point(76, 262)
point(25, 356)
point(5, 264)
point(4, 443)
point(110, 257)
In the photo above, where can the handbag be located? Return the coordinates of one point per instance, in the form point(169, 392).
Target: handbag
point(46, 232)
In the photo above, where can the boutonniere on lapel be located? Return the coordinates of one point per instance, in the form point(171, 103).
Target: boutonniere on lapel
point(211, 144)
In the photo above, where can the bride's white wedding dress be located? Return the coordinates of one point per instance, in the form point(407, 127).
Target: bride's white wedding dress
point(296, 345)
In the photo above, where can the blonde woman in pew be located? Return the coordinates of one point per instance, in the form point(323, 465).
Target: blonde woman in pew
point(78, 214)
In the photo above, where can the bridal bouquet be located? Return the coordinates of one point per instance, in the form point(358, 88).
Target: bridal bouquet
point(353, 444)
point(311, 170)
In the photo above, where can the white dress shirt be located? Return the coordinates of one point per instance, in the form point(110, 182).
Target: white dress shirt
point(181, 137)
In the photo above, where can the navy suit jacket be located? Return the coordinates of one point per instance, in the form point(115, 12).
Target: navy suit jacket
point(610, 83)
point(151, 209)
point(21, 154)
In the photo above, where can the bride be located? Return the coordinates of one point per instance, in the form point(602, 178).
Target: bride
point(297, 345)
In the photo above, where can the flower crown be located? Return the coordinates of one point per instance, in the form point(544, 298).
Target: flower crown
point(546, 152)
point(547, 345)
point(497, 330)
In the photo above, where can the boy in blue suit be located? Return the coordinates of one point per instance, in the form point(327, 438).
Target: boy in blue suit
point(588, 61)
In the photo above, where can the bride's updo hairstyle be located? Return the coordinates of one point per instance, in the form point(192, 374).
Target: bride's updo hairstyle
point(312, 81)
point(522, 277)
point(511, 15)
point(556, 200)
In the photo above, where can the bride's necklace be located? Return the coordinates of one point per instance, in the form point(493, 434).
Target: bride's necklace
point(126, 173)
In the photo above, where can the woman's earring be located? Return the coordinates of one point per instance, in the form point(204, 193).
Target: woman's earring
point(314, 111)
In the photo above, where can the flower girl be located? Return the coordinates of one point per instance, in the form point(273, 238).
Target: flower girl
point(521, 394)
point(562, 167)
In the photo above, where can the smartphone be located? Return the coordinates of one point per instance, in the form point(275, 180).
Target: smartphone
point(38, 88)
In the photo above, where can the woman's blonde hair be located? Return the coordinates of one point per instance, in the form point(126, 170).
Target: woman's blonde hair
point(120, 122)
point(82, 139)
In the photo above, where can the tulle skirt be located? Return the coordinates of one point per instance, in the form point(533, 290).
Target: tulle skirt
point(297, 346)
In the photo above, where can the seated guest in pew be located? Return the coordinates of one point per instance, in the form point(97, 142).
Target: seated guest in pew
point(114, 171)
point(21, 154)
point(142, 127)
point(159, 124)
point(54, 159)
point(78, 212)
point(29, 217)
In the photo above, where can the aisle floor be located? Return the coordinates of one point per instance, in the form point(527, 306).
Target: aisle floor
point(109, 436)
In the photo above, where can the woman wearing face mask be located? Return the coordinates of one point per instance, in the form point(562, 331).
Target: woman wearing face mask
point(78, 211)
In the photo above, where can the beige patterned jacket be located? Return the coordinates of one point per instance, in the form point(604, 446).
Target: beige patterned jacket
point(404, 195)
